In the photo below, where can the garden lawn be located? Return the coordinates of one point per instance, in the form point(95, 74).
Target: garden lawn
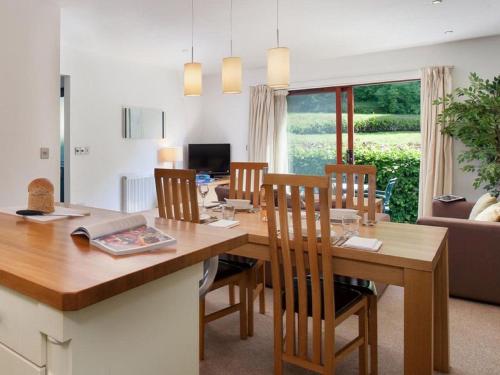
point(385, 138)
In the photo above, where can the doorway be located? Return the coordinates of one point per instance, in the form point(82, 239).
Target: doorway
point(64, 138)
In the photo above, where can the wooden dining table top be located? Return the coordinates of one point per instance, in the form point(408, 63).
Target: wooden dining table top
point(44, 262)
point(403, 245)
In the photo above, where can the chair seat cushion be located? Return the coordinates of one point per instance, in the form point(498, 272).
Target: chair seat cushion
point(364, 286)
point(345, 297)
point(238, 260)
point(227, 269)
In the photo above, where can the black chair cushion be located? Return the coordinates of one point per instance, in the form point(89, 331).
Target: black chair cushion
point(238, 260)
point(364, 286)
point(226, 269)
point(345, 297)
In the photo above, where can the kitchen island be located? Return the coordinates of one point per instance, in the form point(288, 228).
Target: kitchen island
point(67, 308)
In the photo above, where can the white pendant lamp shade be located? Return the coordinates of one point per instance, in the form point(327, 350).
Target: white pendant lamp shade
point(192, 79)
point(231, 75)
point(278, 67)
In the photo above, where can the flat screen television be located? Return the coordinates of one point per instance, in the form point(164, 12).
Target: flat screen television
point(212, 159)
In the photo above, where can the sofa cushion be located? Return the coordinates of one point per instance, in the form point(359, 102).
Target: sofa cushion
point(492, 214)
point(482, 203)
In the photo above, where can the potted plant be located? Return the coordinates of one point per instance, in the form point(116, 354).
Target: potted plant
point(472, 115)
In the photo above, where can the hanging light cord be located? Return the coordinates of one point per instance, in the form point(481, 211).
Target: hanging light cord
point(192, 31)
point(231, 29)
point(277, 23)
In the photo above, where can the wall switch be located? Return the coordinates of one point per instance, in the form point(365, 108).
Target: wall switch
point(44, 152)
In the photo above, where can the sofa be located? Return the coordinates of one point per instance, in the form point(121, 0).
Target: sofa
point(474, 251)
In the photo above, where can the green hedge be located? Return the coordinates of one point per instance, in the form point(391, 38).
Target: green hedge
point(387, 124)
point(324, 123)
point(400, 162)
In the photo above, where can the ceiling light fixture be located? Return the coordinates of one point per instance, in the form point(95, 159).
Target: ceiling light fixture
point(447, 32)
point(278, 61)
point(437, 1)
point(231, 66)
point(192, 70)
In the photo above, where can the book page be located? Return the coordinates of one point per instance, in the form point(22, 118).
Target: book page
point(132, 240)
point(97, 230)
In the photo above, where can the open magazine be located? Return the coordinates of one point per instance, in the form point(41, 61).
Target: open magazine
point(125, 235)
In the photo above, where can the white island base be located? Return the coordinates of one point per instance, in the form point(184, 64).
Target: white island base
point(148, 330)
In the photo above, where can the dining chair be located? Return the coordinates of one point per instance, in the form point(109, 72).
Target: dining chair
point(354, 197)
point(297, 245)
point(177, 195)
point(178, 199)
point(387, 194)
point(244, 183)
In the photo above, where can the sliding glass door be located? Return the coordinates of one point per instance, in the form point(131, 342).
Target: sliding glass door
point(319, 121)
point(375, 124)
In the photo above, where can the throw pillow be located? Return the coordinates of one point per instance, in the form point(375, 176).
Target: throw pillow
point(492, 214)
point(482, 203)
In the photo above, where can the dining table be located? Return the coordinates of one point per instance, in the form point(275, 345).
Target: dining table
point(414, 257)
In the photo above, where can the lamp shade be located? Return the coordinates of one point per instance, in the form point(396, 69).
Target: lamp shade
point(278, 67)
point(192, 79)
point(170, 154)
point(231, 75)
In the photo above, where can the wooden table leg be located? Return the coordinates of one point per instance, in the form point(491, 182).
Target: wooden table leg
point(418, 322)
point(441, 329)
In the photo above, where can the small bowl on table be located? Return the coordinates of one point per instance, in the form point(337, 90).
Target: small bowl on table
point(239, 204)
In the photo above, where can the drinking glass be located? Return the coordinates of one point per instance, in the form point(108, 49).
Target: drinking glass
point(228, 212)
point(203, 189)
point(350, 225)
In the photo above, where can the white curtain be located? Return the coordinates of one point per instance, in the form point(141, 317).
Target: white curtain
point(267, 127)
point(436, 163)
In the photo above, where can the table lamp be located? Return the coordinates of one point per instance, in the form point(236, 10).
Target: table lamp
point(170, 154)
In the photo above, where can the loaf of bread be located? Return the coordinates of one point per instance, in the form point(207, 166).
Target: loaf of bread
point(41, 195)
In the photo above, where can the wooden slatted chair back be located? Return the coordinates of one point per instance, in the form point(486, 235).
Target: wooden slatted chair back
point(245, 181)
point(352, 175)
point(294, 251)
point(177, 195)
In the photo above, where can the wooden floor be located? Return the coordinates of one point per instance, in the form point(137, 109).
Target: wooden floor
point(475, 340)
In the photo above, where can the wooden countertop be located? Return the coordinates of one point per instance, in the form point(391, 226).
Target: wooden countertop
point(44, 262)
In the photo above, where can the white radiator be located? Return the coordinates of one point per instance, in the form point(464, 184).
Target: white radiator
point(138, 193)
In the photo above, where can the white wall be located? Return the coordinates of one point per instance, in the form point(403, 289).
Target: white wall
point(29, 96)
point(225, 117)
point(100, 87)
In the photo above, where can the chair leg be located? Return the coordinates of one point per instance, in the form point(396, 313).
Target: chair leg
point(202, 329)
point(262, 295)
point(372, 334)
point(232, 299)
point(250, 299)
point(243, 307)
point(363, 349)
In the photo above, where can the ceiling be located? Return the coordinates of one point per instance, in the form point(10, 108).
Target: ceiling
point(159, 31)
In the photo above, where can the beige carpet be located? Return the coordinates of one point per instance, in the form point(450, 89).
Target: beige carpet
point(475, 340)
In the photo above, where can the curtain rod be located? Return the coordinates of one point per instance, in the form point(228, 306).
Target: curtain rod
point(400, 75)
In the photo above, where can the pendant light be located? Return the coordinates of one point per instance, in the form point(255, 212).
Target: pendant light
point(231, 67)
point(192, 70)
point(278, 61)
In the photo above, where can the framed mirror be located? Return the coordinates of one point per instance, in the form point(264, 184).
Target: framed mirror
point(143, 123)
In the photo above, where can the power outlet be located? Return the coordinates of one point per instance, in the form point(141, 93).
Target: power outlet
point(44, 152)
point(80, 151)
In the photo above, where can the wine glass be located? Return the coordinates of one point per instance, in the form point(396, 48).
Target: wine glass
point(203, 189)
